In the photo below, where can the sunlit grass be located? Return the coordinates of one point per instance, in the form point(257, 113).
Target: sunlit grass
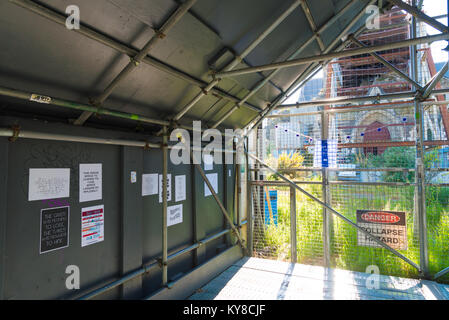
point(345, 253)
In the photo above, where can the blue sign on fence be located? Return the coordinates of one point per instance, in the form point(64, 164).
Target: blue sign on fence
point(273, 205)
point(324, 154)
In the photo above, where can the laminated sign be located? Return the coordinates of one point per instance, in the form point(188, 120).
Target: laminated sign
point(92, 225)
point(54, 229)
point(388, 226)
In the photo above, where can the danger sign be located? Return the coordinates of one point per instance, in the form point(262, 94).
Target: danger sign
point(388, 226)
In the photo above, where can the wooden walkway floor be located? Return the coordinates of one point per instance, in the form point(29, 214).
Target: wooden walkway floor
point(259, 279)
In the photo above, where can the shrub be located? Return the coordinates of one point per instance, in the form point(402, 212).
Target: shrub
point(285, 163)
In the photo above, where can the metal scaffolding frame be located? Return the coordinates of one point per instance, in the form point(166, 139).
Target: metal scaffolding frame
point(295, 54)
point(237, 60)
point(420, 96)
point(99, 37)
point(135, 61)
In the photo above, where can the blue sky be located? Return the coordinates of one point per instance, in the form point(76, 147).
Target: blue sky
point(435, 8)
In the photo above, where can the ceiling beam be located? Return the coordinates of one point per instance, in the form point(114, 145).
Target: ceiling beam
point(136, 60)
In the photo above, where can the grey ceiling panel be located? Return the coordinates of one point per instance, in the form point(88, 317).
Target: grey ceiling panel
point(40, 56)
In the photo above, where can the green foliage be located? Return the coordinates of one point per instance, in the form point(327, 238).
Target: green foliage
point(345, 253)
point(285, 163)
point(401, 157)
point(308, 158)
point(398, 157)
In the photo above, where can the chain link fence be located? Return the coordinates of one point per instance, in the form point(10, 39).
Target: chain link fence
point(368, 171)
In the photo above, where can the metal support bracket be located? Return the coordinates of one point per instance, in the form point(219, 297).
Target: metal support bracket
point(15, 135)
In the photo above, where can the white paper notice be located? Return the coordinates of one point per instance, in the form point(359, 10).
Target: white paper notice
point(174, 215)
point(91, 182)
point(168, 187)
point(47, 184)
point(92, 225)
point(213, 179)
point(133, 177)
point(208, 162)
point(149, 184)
point(180, 188)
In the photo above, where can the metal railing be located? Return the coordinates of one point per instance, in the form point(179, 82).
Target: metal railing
point(151, 265)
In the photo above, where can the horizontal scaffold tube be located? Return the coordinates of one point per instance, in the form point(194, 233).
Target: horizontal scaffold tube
point(335, 212)
point(334, 55)
point(43, 99)
point(348, 100)
point(12, 133)
point(26, 134)
point(125, 49)
point(151, 265)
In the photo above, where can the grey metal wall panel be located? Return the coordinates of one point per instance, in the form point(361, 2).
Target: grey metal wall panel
point(46, 58)
point(131, 213)
point(3, 211)
point(31, 275)
point(179, 236)
point(200, 276)
point(132, 222)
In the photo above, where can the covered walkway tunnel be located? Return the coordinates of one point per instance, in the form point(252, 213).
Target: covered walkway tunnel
point(165, 149)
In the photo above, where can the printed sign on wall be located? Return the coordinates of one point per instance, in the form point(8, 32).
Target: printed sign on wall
point(133, 177)
point(213, 179)
point(168, 187)
point(174, 215)
point(92, 225)
point(54, 229)
point(91, 182)
point(208, 162)
point(389, 226)
point(180, 188)
point(150, 184)
point(48, 184)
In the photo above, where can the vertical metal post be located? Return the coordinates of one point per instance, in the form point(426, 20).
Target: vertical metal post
point(420, 189)
point(226, 195)
point(294, 258)
point(195, 224)
point(164, 206)
point(4, 149)
point(326, 195)
point(249, 201)
point(238, 188)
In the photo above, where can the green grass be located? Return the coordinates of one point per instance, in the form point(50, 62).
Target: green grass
point(345, 253)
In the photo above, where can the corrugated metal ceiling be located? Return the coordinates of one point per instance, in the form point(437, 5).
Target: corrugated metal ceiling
point(38, 55)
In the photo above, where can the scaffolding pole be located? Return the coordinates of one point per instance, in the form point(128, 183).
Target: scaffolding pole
point(416, 13)
point(386, 63)
point(96, 36)
point(346, 100)
point(420, 188)
point(237, 60)
point(326, 197)
point(338, 214)
point(136, 60)
point(219, 203)
point(292, 56)
point(334, 55)
point(164, 261)
point(313, 69)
